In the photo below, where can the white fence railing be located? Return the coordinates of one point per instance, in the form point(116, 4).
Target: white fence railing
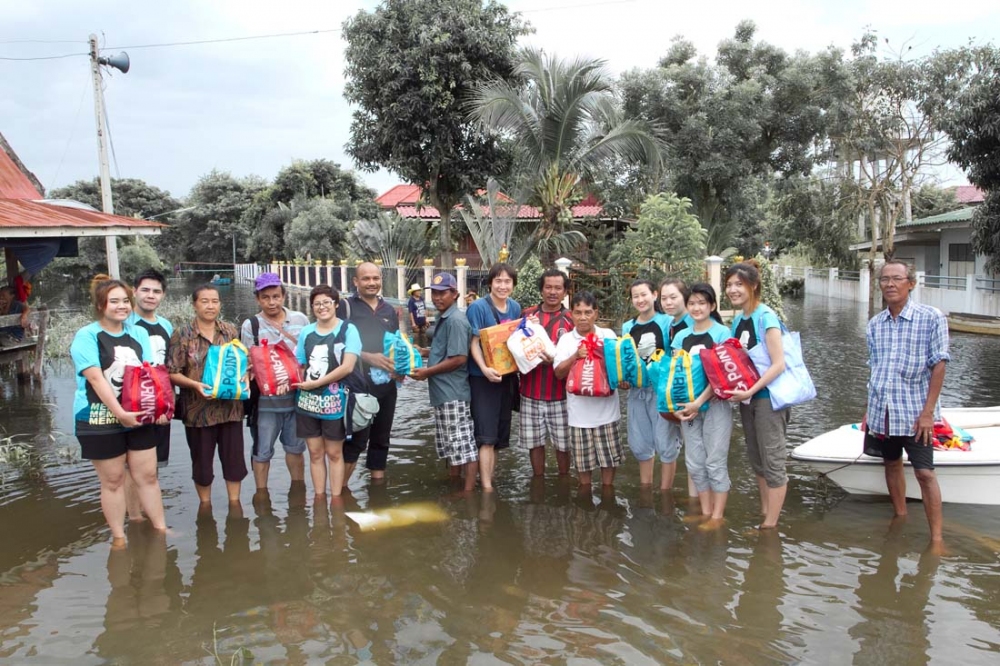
point(974, 294)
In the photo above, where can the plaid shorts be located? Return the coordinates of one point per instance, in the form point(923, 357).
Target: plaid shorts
point(596, 447)
point(541, 420)
point(455, 438)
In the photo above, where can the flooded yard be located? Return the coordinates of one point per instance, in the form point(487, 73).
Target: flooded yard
point(536, 573)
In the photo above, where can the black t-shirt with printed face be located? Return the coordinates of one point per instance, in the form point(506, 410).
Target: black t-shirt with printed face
point(159, 339)
point(746, 333)
point(695, 342)
point(678, 327)
point(648, 338)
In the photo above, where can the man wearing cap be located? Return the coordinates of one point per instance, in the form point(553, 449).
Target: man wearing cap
point(418, 315)
point(373, 318)
point(447, 373)
point(273, 416)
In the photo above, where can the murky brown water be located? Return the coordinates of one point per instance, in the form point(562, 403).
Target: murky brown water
point(538, 573)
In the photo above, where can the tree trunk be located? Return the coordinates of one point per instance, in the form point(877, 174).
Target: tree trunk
point(444, 223)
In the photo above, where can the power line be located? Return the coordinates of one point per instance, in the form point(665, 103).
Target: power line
point(226, 39)
point(57, 57)
point(42, 41)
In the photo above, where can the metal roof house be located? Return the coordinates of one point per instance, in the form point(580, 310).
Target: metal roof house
point(33, 230)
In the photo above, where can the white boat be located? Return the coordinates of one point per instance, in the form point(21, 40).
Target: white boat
point(965, 477)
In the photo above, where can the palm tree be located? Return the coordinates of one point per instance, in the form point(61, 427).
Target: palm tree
point(566, 124)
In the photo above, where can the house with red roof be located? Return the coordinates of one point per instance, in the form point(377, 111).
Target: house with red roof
point(406, 201)
point(34, 230)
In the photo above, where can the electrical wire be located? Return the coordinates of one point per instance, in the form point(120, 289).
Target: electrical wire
point(111, 139)
point(65, 55)
point(226, 39)
point(72, 131)
point(42, 41)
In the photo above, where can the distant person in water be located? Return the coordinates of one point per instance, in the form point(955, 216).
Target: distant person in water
point(907, 353)
point(470, 297)
point(9, 305)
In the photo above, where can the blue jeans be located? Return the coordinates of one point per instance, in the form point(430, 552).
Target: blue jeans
point(269, 426)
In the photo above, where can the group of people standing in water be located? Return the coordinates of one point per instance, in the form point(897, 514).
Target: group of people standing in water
point(472, 403)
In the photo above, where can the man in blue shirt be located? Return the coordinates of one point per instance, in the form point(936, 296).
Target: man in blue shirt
point(907, 352)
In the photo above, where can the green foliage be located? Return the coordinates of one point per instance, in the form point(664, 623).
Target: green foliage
point(930, 199)
point(410, 66)
point(817, 217)
point(391, 238)
point(494, 220)
point(666, 239)
point(973, 125)
point(755, 111)
point(132, 198)
point(526, 293)
point(136, 257)
point(218, 202)
point(319, 229)
point(770, 289)
point(567, 124)
point(273, 208)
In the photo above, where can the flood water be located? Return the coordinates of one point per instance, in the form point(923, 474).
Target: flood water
point(538, 573)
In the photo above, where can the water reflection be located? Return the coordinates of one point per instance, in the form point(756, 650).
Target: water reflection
point(537, 572)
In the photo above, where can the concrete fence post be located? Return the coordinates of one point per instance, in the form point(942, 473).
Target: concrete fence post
point(918, 291)
point(563, 264)
point(714, 264)
point(428, 276)
point(343, 277)
point(401, 279)
point(462, 277)
point(970, 292)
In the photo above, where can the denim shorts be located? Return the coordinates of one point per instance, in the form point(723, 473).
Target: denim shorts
point(648, 433)
point(269, 426)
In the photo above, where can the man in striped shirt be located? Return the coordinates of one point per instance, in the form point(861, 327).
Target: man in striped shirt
point(543, 396)
point(907, 352)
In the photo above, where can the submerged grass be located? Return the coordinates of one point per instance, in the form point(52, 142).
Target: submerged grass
point(64, 324)
point(241, 656)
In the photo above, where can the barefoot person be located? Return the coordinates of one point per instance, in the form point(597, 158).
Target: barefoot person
point(209, 424)
point(328, 349)
point(109, 436)
point(648, 434)
point(274, 416)
point(492, 393)
point(907, 353)
point(373, 318)
point(447, 376)
point(706, 433)
point(150, 288)
point(593, 422)
point(763, 426)
point(543, 396)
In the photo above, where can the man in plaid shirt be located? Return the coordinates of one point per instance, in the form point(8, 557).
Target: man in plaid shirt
point(907, 352)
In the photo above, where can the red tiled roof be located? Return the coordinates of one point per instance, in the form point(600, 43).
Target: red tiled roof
point(525, 213)
point(14, 184)
point(399, 194)
point(969, 194)
point(17, 215)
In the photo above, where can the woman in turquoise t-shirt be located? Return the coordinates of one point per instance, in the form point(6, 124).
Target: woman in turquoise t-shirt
point(328, 350)
point(706, 431)
point(110, 436)
point(763, 426)
point(648, 434)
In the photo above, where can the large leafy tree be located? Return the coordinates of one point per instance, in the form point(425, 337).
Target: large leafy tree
point(566, 122)
point(266, 220)
point(211, 229)
point(319, 229)
point(132, 198)
point(644, 249)
point(756, 110)
point(410, 66)
point(973, 124)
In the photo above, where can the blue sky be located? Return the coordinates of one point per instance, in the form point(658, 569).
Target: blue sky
point(251, 107)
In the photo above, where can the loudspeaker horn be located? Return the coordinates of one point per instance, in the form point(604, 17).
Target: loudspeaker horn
point(119, 62)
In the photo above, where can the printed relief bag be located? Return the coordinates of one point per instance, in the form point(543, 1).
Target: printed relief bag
point(226, 371)
point(529, 343)
point(274, 367)
point(402, 353)
point(728, 367)
point(493, 340)
point(147, 389)
point(679, 382)
point(589, 375)
point(623, 363)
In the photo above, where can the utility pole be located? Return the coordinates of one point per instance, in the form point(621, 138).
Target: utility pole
point(107, 204)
